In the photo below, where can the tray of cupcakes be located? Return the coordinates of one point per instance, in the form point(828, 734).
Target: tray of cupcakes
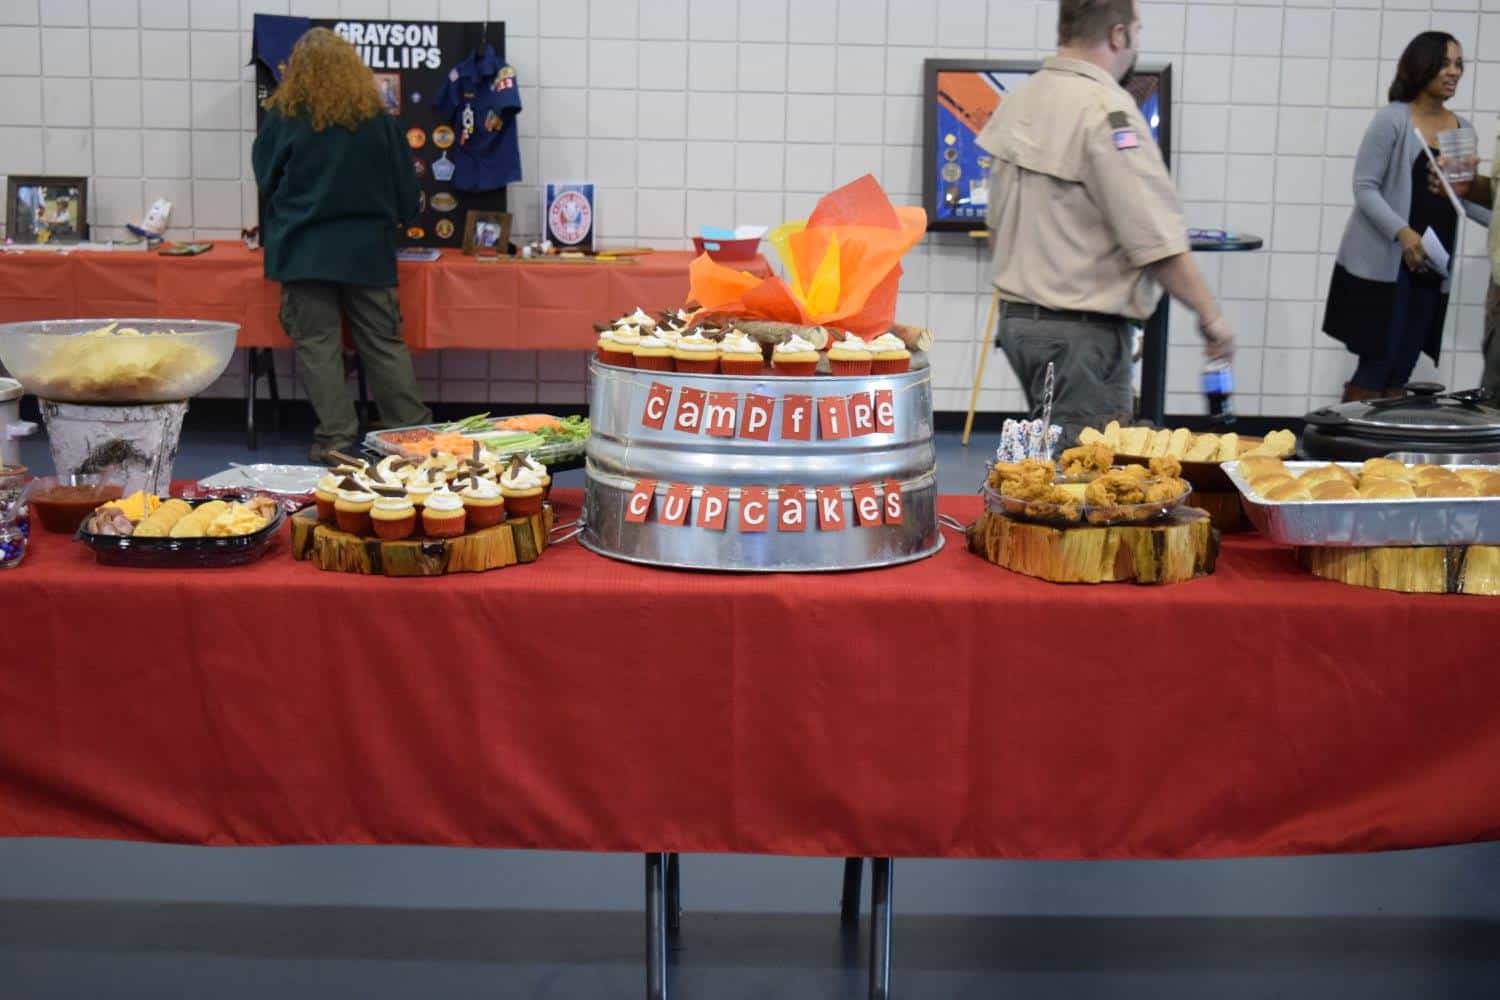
point(704, 343)
point(441, 514)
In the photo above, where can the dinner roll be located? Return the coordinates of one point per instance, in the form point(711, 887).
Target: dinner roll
point(1377, 488)
point(1451, 488)
point(1326, 473)
point(1335, 489)
point(1263, 484)
point(1260, 465)
point(1289, 490)
point(1384, 468)
point(1430, 473)
point(1489, 486)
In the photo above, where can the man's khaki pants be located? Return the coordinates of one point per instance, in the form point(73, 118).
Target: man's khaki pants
point(312, 314)
point(1491, 379)
point(1091, 374)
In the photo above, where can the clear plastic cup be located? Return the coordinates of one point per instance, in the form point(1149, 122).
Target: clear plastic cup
point(1459, 146)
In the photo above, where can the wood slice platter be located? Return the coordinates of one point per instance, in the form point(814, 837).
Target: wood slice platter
point(517, 540)
point(1181, 547)
point(1425, 569)
point(1225, 509)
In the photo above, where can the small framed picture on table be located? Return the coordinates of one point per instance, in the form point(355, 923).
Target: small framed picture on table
point(47, 209)
point(487, 234)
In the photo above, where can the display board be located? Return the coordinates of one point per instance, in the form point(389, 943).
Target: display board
point(959, 97)
point(413, 61)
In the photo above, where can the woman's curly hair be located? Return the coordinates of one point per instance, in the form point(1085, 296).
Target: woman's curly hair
point(326, 80)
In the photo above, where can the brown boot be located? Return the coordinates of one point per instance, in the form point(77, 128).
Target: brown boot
point(1393, 392)
point(1358, 393)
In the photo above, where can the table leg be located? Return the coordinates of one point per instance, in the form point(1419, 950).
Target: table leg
point(1154, 366)
point(854, 871)
point(674, 894)
point(252, 370)
point(656, 936)
point(275, 394)
point(880, 928)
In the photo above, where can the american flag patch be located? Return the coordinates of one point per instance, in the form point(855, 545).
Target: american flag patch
point(1125, 138)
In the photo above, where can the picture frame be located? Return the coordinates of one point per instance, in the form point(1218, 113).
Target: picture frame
point(959, 95)
point(487, 234)
point(46, 209)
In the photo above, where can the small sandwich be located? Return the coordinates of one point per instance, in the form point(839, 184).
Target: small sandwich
point(1112, 434)
point(1229, 447)
point(1160, 442)
point(1205, 448)
point(1133, 440)
point(1179, 441)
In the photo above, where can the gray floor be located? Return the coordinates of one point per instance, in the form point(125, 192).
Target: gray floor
point(134, 920)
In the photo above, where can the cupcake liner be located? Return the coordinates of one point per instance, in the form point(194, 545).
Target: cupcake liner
point(442, 527)
point(850, 367)
point(325, 511)
point(738, 366)
point(695, 367)
point(485, 516)
point(353, 522)
point(524, 506)
point(623, 359)
point(654, 362)
point(890, 366)
point(798, 368)
point(394, 529)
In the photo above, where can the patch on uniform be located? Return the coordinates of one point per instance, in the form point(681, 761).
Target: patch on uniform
point(1125, 138)
point(1119, 119)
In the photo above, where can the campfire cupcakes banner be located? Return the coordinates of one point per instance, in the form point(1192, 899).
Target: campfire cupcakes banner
point(787, 508)
point(753, 416)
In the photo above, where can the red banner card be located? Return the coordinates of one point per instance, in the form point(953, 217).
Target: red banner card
point(833, 418)
point(866, 505)
point(658, 402)
point(791, 508)
point(830, 508)
point(712, 507)
point(719, 416)
point(885, 412)
point(861, 414)
point(675, 505)
point(895, 506)
point(797, 418)
point(755, 507)
point(639, 504)
point(690, 403)
point(755, 422)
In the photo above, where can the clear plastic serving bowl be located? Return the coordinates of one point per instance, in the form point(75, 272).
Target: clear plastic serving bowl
point(70, 360)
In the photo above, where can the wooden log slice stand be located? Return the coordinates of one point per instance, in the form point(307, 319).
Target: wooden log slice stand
point(517, 540)
point(1181, 547)
point(1426, 569)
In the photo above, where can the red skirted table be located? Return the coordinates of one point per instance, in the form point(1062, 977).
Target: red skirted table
point(456, 301)
point(946, 708)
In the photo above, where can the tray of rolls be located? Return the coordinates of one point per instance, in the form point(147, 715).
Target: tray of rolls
point(1378, 502)
point(1202, 455)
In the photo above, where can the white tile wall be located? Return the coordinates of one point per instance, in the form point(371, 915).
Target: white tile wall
point(715, 111)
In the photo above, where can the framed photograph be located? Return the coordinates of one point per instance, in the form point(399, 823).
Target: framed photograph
point(47, 209)
point(959, 97)
point(389, 85)
point(487, 233)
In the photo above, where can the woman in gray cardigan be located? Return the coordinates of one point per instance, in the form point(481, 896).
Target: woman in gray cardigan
point(1385, 303)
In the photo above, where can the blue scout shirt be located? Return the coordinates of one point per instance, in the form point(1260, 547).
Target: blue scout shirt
point(481, 100)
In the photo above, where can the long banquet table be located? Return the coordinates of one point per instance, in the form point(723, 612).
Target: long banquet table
point(945, 708)
point(453, 302)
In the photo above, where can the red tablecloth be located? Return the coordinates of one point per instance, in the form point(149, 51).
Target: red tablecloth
point(944, 708)
point(457, 301)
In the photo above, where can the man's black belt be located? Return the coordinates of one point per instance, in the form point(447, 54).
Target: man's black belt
point(1025, 310)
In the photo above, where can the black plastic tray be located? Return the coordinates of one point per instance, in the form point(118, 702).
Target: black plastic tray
point(182, 553)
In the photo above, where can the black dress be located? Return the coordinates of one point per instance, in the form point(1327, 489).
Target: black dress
point(1376, 322)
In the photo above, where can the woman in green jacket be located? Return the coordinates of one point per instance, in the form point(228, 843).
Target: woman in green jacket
point(336, 186)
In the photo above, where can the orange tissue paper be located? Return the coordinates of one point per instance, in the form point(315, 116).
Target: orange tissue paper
point(843, 266)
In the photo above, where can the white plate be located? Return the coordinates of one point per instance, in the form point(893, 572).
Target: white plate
point(292, 479)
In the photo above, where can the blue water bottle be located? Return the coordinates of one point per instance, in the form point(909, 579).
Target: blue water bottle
point(1218, 389)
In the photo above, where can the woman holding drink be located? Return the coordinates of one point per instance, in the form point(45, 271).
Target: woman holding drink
point(1387, 301)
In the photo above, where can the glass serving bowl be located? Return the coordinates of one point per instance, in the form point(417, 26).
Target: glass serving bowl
point(62, 503)
point(117, 360)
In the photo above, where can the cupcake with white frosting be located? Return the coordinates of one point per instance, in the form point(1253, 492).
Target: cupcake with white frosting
point(891, 356)
point(696, 354)
point(522, 488)
point(653, 353)
point(850, 356)
point(483, 504)
point(795, 355)
point(739, 355)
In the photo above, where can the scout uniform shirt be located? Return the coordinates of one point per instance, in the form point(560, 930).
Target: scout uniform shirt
point(1080, 200)
point(481, 100)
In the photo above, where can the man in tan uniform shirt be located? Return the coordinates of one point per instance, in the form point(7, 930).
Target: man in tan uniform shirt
point(1086, 222)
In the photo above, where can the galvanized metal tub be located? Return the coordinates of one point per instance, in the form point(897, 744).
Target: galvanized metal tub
point(622, 451)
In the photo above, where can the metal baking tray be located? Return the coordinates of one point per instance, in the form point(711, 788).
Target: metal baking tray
point(1363, 523)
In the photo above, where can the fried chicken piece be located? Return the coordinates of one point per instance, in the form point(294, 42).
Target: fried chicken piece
point(1166, 468)
point(1164, 490)
point(1086, 458)
point(1028, 491)
point(1135, 473)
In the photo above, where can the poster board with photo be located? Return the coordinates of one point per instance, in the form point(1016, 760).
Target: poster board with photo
point(958, 98)
point(46, 210)
point(411, 61)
